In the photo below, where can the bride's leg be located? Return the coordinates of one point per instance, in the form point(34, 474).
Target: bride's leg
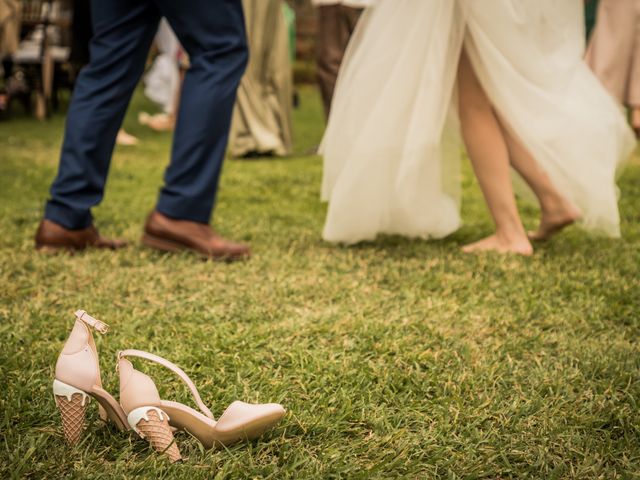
point(489, 156)
point(556, 211)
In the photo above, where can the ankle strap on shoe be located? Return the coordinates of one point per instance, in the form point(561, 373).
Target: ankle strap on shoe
point(92, 322)
point(175, 369)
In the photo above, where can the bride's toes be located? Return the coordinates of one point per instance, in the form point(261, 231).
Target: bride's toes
point(552, 226)
point(554, 220)
point(486, 244)
point(497, 244)
point(541, 234)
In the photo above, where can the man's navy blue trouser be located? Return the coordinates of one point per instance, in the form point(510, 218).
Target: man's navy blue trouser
point(213, 34)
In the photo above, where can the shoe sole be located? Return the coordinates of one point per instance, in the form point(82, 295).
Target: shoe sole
point(55, 249)
point(165, 245)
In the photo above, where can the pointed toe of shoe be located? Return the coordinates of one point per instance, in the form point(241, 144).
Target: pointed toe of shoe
point(250, 419)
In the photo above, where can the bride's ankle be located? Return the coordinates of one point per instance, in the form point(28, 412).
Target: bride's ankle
point(558, 206)
point(635, 117)
point(510, 227)
point(511, 235)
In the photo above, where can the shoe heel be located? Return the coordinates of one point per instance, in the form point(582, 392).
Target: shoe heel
point(152, 424)
point(72, 404)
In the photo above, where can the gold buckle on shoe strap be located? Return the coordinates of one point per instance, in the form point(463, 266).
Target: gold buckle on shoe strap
point(92, 322)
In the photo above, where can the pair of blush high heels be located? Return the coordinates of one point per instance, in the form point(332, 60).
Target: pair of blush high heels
point(77, 381)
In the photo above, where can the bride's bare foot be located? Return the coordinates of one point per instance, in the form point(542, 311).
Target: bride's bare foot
point(553, 221)
point(125, 138)
point(497, 243)
point(160, 122)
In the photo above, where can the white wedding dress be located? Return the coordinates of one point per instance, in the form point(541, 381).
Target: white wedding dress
point(392, 150)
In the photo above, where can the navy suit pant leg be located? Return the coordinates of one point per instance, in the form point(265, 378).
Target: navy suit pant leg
point(213, 34)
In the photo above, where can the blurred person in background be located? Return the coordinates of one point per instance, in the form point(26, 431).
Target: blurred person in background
point(337, 21)
point(614, 53)
point(213, 34)
point(163, 81)
point(10, 15)
point(262, 123)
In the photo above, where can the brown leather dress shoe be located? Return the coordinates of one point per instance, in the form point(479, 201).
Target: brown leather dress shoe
point(171, 235)
point(52, 237)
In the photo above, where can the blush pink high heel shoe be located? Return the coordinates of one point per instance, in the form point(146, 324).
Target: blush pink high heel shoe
point(77, 379)
point(152, 417)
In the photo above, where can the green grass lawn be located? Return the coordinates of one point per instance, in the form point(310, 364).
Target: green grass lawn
point(398, 358)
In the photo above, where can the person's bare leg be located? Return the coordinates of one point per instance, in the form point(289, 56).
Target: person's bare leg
point(489, 156)
point(635, 119)
point(557, 212)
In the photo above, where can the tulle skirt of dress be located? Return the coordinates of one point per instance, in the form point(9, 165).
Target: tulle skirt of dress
point(392, 148)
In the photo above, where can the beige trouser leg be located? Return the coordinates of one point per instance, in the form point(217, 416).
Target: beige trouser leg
point(614, 50)
point(10, 14)
point(262, 121)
